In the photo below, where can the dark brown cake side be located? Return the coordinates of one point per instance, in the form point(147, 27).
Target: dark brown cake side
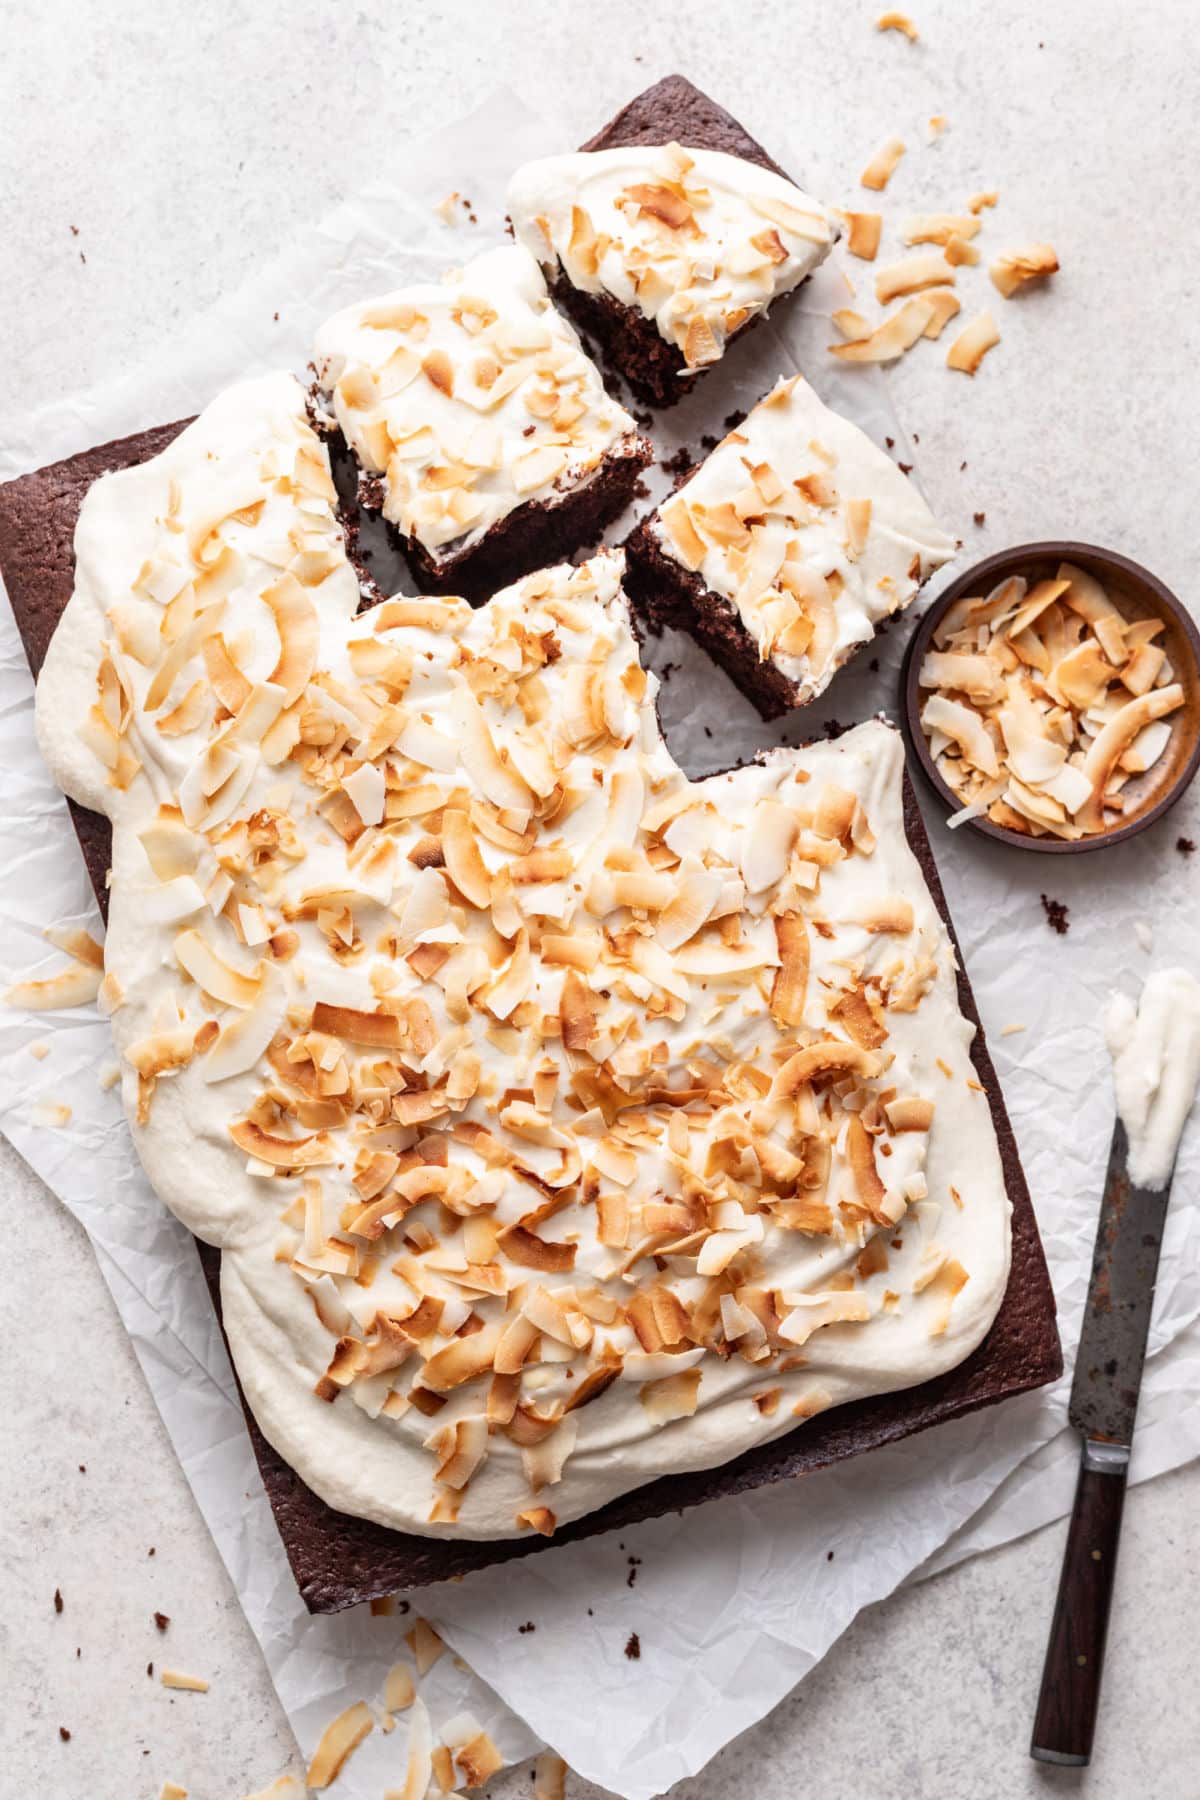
point(665, 593)
point(339, 1560)
point(672, 111)
point(532, 536)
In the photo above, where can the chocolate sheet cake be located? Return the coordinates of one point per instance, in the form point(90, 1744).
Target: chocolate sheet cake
point(663, 259)
point(338, 1559)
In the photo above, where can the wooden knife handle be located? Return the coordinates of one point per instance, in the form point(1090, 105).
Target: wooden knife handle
point(1066, 1712)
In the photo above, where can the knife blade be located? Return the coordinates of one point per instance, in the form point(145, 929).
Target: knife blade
point(1103, 1408)
point(1116, 1319)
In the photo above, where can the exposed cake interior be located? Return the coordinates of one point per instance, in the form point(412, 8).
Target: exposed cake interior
point(807, 529)
point(468, 398)
point(698, 241)
point(563, 1123)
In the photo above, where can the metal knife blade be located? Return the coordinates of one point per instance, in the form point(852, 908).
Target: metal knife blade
point(1116, 1320)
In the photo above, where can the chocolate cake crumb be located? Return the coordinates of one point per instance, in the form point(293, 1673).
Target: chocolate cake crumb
point(708, 441)
point(64, 1734)
point(150, 1551)
point(916, 438)
point(640, 490)
point(162, 1620)
point(733, 420)
point(1186, 846)
point(527, 1626)
point(58, 1601)
point(644, 419)
point(890, 442)
point(1056, 915)
point(962, 465)
point(83, 1468)
point(829, 1556)
point(679, 464)
point(150, 1668)
point(980, 518)
point(873, 665)
point(905, 468)
point(635, 1563)
point(633, 1646)
point(275, 316)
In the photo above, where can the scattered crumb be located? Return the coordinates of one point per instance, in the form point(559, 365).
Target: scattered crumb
point(936, 125)
point(74, 230)
point(1144, 935)
point(634, 1565)
point(1186, 846)
point(150, 1551)
point(644, 419)
point(186, 1684)
point(980, 518)
point(873, 665)
point(64, 1734)
point(640, 489)
point(526, 1627)
point(40, 1050)
point(150, 1670)
point(58, 1600)
point(162, 1620)
point(633, 1646)
point(890, 442)
point(829, 1556)
point(171, 1790)
point(275, 317)
point(1011, 1030)
point(679, 464)
point(905, 468)
point(733, 420)
point(1056, 915)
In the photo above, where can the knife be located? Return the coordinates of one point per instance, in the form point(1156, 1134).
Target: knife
point(1104, 1397)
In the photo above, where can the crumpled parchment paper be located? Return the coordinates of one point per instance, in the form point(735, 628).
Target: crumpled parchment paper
point(733, 1602)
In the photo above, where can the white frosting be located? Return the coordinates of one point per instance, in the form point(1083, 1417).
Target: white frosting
point(810, 569)
point(697, 240)
point(1155, 1050)
point(323, 763)
point(470, 396)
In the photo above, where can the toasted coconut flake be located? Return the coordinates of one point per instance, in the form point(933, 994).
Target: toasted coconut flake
point(426, 1645)
point(463, 1359)
point(945, 305)
point(281, 1153)
point(897, 21)
point(912, 274)
point(1116, 737)
point(882, 165)
point(217, 978)
point(911, 1113)
point(898, 333)
point(790, 985)
point(973, 343)
point(863, 231)
point(464, 865)
point(549, 1777)
point(1016, 268)
point(674, 1397)
point(338, 1741)
point(853, 325)
point(399, 1688)
point(77, 985)
point(537, 1518)
point(828, 1057)
point(184, 1684)
point(419, 1770)
point(299, 637)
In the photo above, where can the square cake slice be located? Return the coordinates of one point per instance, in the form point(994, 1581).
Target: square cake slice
point(667, 235)
point(785, 548)
point(482, 431)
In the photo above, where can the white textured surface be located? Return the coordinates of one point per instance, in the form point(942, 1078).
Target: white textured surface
point(186, 144)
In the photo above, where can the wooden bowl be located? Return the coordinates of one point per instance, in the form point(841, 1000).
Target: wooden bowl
point(1139, 595)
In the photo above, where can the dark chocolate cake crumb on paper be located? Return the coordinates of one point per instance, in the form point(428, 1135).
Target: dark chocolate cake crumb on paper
point(1056, 912)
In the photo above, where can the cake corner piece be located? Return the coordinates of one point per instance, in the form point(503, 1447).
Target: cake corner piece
point(667, 235)
point(784, 549)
